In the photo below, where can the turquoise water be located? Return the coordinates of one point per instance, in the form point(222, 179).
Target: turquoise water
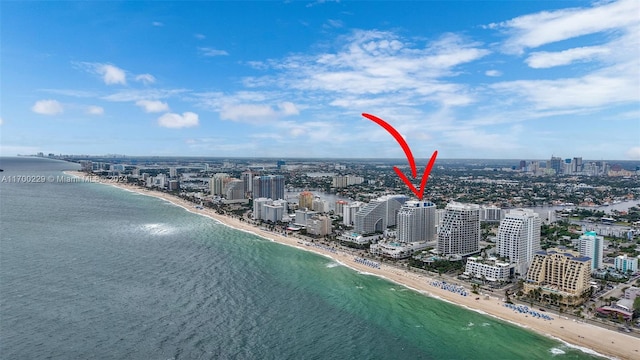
point(92, 271)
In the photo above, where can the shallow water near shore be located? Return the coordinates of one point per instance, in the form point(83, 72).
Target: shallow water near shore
point(92, 271)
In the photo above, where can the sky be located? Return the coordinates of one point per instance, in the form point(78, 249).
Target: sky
point(290, 79)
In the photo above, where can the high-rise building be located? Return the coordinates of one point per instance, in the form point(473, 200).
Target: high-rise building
point(217, 182)
point(269, 210)
point(340, 204)
point(459, 231)
point(519, 238)
point(378, 214)
point(305, 200)
point(234, 190)
point(560, 272)
point(173, 172)
point(591, 245)
point(556, 164)
point(269, 186)
point(319, 225)
point(319, 205)
point(416, 222)
point(492, 214)
point(349, 212)
point(247, 178)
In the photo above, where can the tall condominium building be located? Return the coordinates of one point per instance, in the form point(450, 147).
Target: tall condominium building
point(519, 238)
point(349, 212)
point(416, 222)
point(560, 272)
point(319, 225)
point(459, 231)
point(591, 245)
point(269, 210)
point(378, 214)
point(340, 204)
point(247, 178)
point(491, 214)
point(234, 190)
point(217, 182)
point(269, 186)
point(305, 200)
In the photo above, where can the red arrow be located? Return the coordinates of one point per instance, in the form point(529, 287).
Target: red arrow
point(407, 151)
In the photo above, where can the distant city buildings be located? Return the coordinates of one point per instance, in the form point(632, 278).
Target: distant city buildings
point(305, 200)
point(518, 238)
point(342, 181)
point(559, 272)
point(459, 232)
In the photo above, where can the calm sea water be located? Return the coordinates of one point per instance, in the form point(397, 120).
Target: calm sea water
point(89, 271)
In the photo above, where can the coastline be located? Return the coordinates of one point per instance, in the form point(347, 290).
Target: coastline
point(586, 337)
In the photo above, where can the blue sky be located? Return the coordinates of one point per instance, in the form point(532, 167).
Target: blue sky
point(472, 79)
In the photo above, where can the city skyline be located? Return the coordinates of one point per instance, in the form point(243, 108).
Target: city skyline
point(483, 80)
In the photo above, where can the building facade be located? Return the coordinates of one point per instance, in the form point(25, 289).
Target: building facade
point(518, 238)
point(417, 222)
point(490, 269)
point(625, 264)
point(459, 230)
point(378, 214)
point(591, 245)
point(559, 272)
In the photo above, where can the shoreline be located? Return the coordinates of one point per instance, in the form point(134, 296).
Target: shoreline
point(588, 338)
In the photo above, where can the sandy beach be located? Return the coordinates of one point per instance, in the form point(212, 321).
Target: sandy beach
point(588, 337)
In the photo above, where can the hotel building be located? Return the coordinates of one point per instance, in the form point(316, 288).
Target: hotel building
point(490, 269)
point(561, 272)
point(459, 231)
point(624, 264)
point(519, 238)
point(379, 214)
point(416, 222)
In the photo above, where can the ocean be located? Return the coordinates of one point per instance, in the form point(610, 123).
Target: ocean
point(90, 271)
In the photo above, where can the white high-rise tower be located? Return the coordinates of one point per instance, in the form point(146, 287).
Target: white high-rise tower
point(417, 222)
point(519, 238)
point(459, 231)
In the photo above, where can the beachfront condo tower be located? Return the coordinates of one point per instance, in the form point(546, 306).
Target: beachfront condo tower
point(519, 238)
point(559, 273)
point(378, 214)
point(592, 245)
point(271, 186)
point(459, 230)
point(417, 222)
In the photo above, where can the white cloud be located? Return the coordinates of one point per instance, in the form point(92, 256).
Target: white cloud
point(589, 91)
point(112, 74)
point(207, 51)
point(532, 31)
point(47, 107)
point(135, 95)
point(634, 153)
point(1, 121)
point(176, 121)
point(157, 23)
point(544, 59)
point(146, 79)
point(153, 106)
point(493, 73)
point(95, 110)
point(199, 36)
